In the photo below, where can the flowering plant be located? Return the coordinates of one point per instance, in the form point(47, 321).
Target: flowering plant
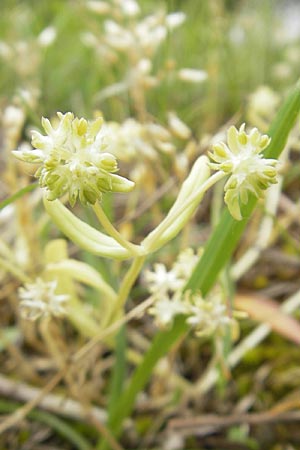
point(73, 160)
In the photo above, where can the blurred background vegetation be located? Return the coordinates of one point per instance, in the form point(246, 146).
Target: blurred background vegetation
point(241, 45)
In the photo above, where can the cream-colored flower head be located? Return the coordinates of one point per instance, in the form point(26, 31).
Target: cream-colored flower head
point(243, 159)
point(40, 300)
point(207, 316)
point(74, 161)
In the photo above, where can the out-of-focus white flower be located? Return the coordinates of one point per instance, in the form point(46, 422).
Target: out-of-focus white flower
point(140, 75)
point(161, 281)
point(13, 121)
point(128, 140)
point(243, 159)
point(192, 75)
point(237, 35)
point(178, 127)
point(129, 8)
point(5, 50)
point(74, 161)
point(282, 71)
point(186, 262)
point(118, 37)
point(47, 36)
point(144, 66)
point(98, 6)
point(207, 316)
point(288, 30)
point(263, 102)
point(89, 39)
point(166, 309)
point(40, 300)
point(13, 117)
point(132, 139)
point(28, 97)
point(175, 19)
point(144, 36)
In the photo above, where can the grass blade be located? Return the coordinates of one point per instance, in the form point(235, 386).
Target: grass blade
point(17, 195)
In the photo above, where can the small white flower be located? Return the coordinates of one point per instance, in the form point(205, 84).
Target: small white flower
point(129, 8)
point(192, 75)
point(40, 300)
point(13, 120)
point(166, 309)
point(144, 36)
point(118, 37)
point(161, 281)
point(47, 36)
point(175, 19)
point(243, 159)
point(207, 316)
point(263, 102)
point(178, 127)
point(186, 262)
point(131, 140)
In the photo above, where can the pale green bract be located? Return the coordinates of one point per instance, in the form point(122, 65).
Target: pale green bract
point(243, 159)
point(73, 160)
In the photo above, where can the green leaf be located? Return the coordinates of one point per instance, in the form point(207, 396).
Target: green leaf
point(161, 344)
point(17, 195)
point(119, 371)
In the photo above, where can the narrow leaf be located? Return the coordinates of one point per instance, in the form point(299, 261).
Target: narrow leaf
point(265, 310)
point(17, 195)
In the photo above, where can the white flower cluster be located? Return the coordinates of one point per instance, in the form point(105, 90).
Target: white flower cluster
point(25, 55)
point(40, 300)
point(132, 139)
point(74, 161)
point(139, 38)
point(140, 145)
point(145, 36)
point(128, 8)
point(262, 106)
point(206, 316)
point(249, 172)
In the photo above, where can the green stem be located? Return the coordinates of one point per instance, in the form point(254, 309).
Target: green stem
point(127, 284)
point(119, 371)
point(111, 230)
point(150, 240)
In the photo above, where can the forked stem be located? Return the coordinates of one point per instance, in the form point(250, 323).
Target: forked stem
point(136, 250)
